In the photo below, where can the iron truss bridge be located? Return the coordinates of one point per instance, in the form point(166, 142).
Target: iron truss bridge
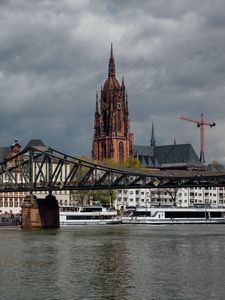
point(50, 170)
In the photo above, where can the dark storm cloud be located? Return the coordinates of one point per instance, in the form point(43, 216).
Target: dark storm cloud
point(54, 56)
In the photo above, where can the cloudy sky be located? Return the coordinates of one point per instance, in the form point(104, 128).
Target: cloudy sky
point(54, 57)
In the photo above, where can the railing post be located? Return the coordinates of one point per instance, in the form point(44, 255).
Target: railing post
point(31, 170)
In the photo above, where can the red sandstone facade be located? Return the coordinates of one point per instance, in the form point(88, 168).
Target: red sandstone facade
point(112, 137)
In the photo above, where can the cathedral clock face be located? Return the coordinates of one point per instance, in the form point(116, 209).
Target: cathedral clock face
point(118, 105)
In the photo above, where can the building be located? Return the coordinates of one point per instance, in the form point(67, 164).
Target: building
point(112, 137)
point(174, 156)
point(10, 202)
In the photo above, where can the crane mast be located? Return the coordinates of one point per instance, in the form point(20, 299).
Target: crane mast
point(201, 123)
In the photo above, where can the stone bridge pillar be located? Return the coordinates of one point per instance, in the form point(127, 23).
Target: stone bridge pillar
point(40, 213)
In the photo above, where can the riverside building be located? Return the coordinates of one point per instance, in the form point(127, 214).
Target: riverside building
point(11, 202)
point(184, 197)
point(174, 156)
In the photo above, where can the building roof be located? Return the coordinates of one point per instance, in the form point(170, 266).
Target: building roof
point(215, 167)
point(168, 156)
point(176, 154)
point(143, 150)
point(145, 154)
point(35, 143)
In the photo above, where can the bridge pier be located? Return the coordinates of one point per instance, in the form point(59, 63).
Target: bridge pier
point(40, 213)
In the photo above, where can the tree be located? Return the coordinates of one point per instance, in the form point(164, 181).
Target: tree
point(105, 196)
point(173, 194)
point(81, 196)
point(130, 162)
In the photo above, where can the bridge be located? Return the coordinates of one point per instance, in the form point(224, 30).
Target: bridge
point(50, 170)
point(35, 170)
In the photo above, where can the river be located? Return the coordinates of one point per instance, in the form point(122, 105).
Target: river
point(113, 262)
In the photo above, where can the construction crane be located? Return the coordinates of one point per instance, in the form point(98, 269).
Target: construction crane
point(201, 124)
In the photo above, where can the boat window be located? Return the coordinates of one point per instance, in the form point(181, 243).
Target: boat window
point(185, 214)
point(69, 208)
point(215, 214)
point(141, 214)
point(91, 209)
point(98, 217)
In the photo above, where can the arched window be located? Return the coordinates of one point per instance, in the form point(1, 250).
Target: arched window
point(103, 150)
point(121, 152)
point(111, 151)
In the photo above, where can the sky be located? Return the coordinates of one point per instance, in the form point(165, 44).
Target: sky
point(54, 57)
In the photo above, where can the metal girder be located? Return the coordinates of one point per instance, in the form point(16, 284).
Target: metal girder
point(36, 170)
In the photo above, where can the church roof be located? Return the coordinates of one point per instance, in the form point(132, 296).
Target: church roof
point(143, 150)
point(168, 156)
point(176, 153)
point(146, 155)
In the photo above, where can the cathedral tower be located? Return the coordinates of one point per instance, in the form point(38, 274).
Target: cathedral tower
point(112, 137)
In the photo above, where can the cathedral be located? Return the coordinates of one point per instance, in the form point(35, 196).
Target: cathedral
point(112, 137)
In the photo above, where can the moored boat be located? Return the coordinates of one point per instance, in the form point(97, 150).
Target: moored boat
point(174, 215)
point(10, 219)
point(88, 215)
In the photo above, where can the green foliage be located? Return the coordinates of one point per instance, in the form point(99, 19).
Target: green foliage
point(130, 162)
point(105, 196)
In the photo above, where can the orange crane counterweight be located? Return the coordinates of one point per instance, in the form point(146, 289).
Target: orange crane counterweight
point(200, 123)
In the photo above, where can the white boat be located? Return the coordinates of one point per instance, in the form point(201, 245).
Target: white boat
point(88, 215)
point(174, 215)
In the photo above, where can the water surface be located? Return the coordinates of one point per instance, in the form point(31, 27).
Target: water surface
point(113, 262)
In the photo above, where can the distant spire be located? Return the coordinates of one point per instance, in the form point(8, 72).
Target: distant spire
point(175, 142)
point(153, 143)
point(111, 52)
point(96, 102)
point(112, 69)
point(122, 81)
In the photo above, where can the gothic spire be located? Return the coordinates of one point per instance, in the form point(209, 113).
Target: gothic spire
point(96, 110)
point(122, 81)
point(112, 69)
point(153, 143)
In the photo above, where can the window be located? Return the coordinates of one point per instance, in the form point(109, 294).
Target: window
point(10, 202)
point(103, 150)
